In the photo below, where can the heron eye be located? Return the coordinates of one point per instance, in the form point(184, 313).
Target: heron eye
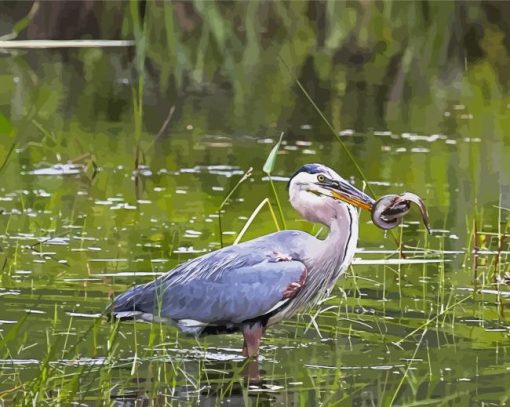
point(321, 178)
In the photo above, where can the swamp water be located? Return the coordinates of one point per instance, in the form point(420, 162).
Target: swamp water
point(79, 223)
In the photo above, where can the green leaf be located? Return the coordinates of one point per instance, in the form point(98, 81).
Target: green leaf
point(271, 158)
point(5, 125)
point(25, 21)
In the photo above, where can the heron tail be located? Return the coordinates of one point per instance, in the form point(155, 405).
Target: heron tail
point(130, 304)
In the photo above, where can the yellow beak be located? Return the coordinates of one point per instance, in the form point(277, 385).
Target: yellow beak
point(343, 191)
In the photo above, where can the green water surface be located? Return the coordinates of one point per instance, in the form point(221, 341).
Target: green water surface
point(79, 222)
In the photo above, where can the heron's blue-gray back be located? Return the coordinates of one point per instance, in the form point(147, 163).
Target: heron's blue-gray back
point(227, 286)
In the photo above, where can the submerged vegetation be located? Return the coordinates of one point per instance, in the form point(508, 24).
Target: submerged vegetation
point(118, 164)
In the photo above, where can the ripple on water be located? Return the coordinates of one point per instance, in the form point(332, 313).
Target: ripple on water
point(222, 170)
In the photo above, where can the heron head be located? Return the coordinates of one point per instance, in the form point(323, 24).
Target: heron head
point(314, 187)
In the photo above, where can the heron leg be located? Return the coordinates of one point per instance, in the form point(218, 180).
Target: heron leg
point(251, 372)
point(252, 333)
point(245, 348)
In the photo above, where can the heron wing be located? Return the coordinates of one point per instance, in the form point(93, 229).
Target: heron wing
point(228, 286)
point(242, 294)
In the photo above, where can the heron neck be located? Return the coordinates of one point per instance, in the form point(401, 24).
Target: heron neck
point(337, 250)
point(327, 259)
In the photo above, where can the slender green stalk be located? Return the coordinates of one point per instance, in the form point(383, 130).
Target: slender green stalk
point(426, 323)
point(245, 176)
point(404, 376)
point(329, 125)
point(278, 204)
point(8, 155)
point(265, 201)
point(268, 169)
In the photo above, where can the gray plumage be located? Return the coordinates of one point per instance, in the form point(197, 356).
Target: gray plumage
point(263, 280)
point(218, 288)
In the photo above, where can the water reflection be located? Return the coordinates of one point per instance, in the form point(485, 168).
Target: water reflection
point(232, 380)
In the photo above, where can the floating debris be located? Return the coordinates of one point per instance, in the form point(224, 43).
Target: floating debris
point(416, 137)
point(59, 169)
point(128, 274)
point(143, 170)
point(190, 233)
point(188, 250)
point(275, 178)
point(397, 261)
point(82, 315)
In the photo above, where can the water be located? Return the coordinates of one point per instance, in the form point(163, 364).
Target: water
point(79, 223)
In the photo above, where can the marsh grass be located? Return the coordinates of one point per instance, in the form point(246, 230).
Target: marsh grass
point(61, 377)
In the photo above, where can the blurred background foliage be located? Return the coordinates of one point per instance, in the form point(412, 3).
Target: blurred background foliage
point(230, 69)
point(368, 64)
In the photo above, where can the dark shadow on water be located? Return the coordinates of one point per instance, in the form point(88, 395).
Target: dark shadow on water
point(226, 382)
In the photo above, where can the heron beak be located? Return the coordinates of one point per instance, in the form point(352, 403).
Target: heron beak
point(344, 191)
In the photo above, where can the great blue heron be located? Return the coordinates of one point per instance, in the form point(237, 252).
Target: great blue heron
point(253, 285)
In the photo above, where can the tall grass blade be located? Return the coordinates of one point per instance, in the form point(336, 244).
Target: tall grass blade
point(271, 158)
point(8, 155)
point(404, 376)
point(265, 201)
point(329, 125)
point(268, 169)
point(337, 136)
point(22, 23)
point(245, 176)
